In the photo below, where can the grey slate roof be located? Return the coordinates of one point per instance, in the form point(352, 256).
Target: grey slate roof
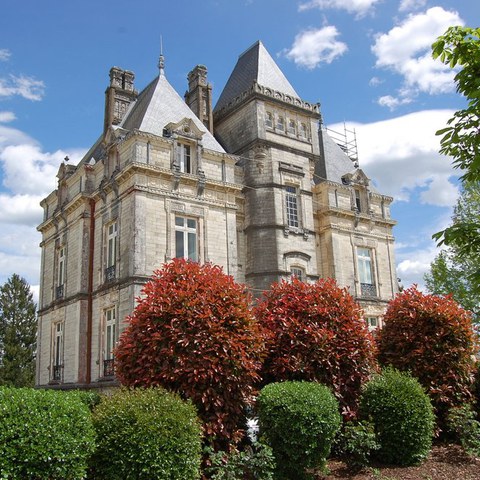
point(254, 65)
point(336, 161)
point(158, 105)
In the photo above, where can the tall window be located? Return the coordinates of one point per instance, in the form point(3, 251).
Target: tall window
point(186, 238)
point(365, 272)
point(358, 202)
point(112, 245)
point(57, 372)
point(280, 123)
point(184, 160)
point(61, 258)
point(110, 338)
point(291, 202)
point(291, 127)
point(269, 120)
point(372, 323)
point(303, 130)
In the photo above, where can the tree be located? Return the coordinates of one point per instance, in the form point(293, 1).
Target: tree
point(460, 46)
point(431, 337)
point(193, 333)
point(18, 330)
point(454, 273)
point(316, 333)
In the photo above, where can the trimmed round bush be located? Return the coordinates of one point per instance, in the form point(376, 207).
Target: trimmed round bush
point(299, 420)
point(44, 434)
point(402, 415)
point(146, 434)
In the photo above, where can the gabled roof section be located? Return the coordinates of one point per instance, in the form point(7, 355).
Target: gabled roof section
point(254, 65)
point(159, 105)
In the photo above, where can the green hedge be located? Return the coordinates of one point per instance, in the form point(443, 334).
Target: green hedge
point(299, 420)
point(403, 417)
point(44, 434)
point(146, 434)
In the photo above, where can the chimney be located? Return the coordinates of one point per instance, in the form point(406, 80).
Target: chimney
point(199, 96)
point(118, 96)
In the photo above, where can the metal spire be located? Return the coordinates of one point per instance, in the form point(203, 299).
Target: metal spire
point(161, 60)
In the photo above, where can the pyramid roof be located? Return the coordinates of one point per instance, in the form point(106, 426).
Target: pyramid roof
point(159, 105)
point(254, 65)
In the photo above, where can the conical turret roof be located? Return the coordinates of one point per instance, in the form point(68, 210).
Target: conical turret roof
point(254, 65)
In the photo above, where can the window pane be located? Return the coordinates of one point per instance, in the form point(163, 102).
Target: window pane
point(191, 223)
point(179, 221)
point(291, 206)
point(192, 246)
point(179, 245)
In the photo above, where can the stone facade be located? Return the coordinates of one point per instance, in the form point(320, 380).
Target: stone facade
point(256, 185)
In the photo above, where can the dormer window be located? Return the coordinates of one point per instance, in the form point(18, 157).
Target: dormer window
point(184, 159)
point(358, 202)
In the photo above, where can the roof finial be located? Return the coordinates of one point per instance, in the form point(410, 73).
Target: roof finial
point(161, 60)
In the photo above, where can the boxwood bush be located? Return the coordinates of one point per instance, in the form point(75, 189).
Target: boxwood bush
point(402, 414)
point(146, 434)
point(44, 434)
point(299, 420)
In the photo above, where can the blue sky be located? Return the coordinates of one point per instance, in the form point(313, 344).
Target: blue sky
point(366, 61)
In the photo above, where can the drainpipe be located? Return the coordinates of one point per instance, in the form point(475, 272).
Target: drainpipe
point(88, 373)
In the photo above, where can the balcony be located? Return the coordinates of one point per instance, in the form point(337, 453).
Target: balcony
point(109, 367)
point(59, 292)
point(110, 273)
point(57, 373)
point(368, 290)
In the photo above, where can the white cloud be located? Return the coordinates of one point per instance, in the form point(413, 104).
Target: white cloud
point(28, 174)
point(315, 46)
point(26, 87)
point(4, 55)
point(406, 50)
point(358, 7)
point(393, 102)
point(6, 117)
point(410, 5)
point(401, 155)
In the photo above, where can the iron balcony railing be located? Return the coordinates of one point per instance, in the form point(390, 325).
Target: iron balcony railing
point(110, 273)
point(59, 291)
point(368, 290)
point(57, 373)
point(109, 367)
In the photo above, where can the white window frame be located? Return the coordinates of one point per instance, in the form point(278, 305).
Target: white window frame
point(365, 266)
point(281, 123)
point(292, 209)
point(186, 229)
point(112, 243)
point(58, 337)
point(184, 157)
point(109, 332)
point(61, 268)
point(292, 126)
point(297, 272)
point(372, 322)
point(303, 133)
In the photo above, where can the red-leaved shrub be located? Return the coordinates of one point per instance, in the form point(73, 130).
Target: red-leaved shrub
point(193, 333)
point(432, 337)
point(316, 333)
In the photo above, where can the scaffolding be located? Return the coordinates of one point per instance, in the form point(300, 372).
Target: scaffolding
point(347, 141)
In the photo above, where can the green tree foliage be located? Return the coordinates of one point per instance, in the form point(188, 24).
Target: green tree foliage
point(460, 47)
point(18, 327)
point(144, 434)
point(432, 337)
point(316, 333)
point(454, 273)
point(193, 333)
point(299, 420)
point(44, 434)
point(402, 415)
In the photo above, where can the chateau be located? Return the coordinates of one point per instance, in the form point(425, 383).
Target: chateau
point(256, 185)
